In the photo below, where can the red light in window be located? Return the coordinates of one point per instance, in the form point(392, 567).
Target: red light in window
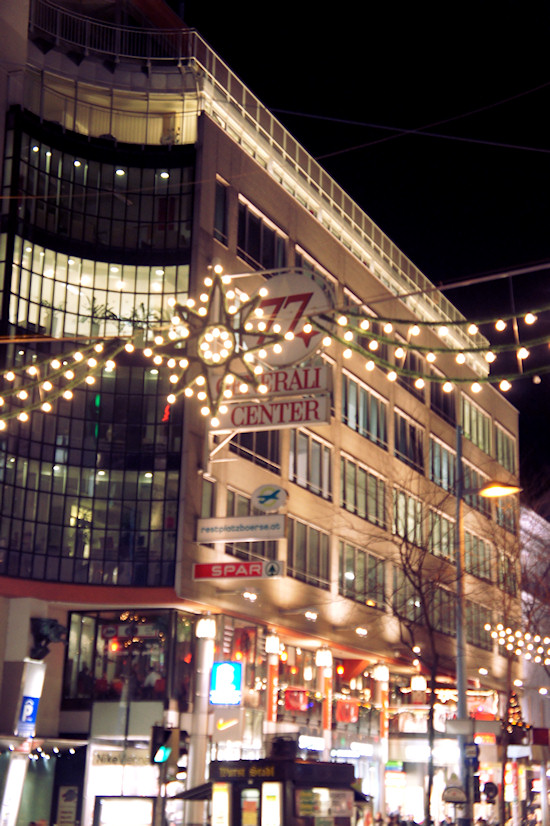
point(238, 655)
point(340, 669)
point(284, 656)
point(114, 646)
point(293, 670)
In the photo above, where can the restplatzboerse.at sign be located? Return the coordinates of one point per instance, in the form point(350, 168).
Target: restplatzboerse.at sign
point(241, 528)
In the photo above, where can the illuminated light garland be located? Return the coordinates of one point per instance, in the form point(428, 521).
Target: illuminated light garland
point(226, 360)
point(532, 647)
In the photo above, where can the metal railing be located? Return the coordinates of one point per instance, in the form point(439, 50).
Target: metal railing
point(225, 98)
point(72, 30)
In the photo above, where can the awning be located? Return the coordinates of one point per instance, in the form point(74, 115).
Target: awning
point(202, 792)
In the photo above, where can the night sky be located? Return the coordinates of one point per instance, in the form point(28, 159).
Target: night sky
point(435, 119)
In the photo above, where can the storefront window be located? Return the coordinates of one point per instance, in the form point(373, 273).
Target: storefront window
point(111, 655)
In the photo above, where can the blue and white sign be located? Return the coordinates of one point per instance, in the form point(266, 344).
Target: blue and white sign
point(269, 498)
point(226, 684)
point(30, 693)
point(26, 724)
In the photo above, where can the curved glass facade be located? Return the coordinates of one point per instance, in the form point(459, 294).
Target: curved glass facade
point(95, 238)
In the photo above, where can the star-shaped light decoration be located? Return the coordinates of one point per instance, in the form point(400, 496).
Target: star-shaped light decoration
point(220, 360)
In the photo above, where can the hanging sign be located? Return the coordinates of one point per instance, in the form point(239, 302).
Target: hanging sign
point(290, 302)
point(274, 414)
point(34, 672)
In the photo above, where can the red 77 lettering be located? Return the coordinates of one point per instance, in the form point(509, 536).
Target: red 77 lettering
point(278, 304)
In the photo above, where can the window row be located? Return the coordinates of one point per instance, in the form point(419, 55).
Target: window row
point(362, 492)
point(263, 245)
point(59, 295)
point(103, 204)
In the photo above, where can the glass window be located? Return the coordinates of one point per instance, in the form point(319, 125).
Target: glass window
point(442, 610)
point(360, 575)
point(405, 599)
point(108, 653)
point(507, 575)
point(441, 401)
point(208, 501)
point(473, 481)
point(476, 425)
point(364, 411)
point(105, 204)
point(93, 493)
point(477, 617)
point(260, 447)
point(310, 463)
point(477, 556)
point(409, 441)
point(413, 366)
point(362, 492)
point(505, 449)
point(308, 553)
point(407, 517)
point(442, 465)
point(506, 508)
point(441, 535)
point(258, 242)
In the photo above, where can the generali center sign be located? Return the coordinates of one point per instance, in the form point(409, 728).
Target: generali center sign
point(296, 396)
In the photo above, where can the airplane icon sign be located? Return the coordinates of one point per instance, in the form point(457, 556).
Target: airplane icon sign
point(269, 498)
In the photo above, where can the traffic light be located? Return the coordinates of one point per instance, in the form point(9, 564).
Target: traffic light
point(161, 744)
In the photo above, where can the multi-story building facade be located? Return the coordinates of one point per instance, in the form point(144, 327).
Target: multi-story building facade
point(133, 164)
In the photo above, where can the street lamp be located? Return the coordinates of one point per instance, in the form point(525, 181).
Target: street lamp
point(490, 490)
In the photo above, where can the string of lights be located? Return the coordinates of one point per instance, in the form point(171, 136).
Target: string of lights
point(532, 647)
point(216, 348)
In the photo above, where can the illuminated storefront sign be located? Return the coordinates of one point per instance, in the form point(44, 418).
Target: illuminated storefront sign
point(272, 804)
point(293, 381)
point(221, 798)
point(307, 741)
point(226, 684)
point(274, 414)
